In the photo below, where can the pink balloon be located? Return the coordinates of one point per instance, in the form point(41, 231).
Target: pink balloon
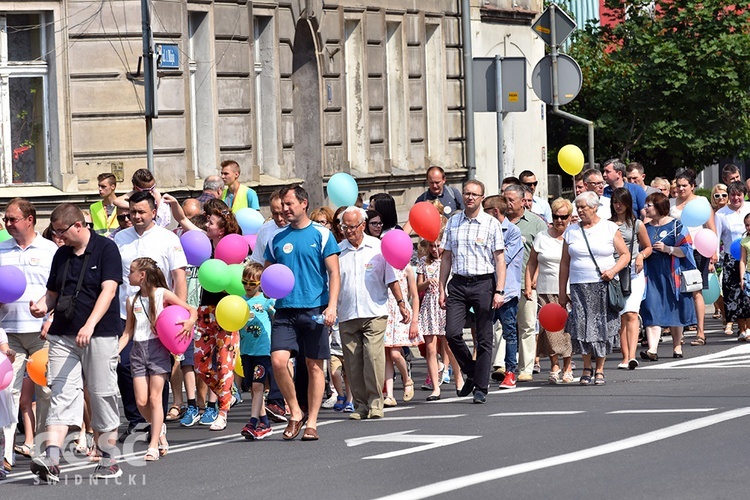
point(232, 249)
point(397, 248)
point(706, 242)
point(6, 371)
point(167, 329)
point(251, 239)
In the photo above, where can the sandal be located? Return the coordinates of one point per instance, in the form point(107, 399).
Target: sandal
point(220, 423)
point(163, 443)
point(728, 329)
point(408, 391)
point(716, 315)
point(698, 341)
point(554, 377)
point(175, 412)
point(293, 427)
point(568, 377)
point(310, 434)
point(340, 402)
point(28, 451)
point(586, 379)
point(152, 455)
point(599, 379)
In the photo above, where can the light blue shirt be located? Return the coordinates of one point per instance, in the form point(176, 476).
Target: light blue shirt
point(540, 207)
point(513, 259)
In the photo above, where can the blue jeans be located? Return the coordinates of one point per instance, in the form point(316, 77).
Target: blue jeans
point(507, 317)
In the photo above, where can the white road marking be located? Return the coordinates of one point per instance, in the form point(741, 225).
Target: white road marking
point(433, 441)
point(663, 410)
point(423, 417)
point(736, 357)
point(499, 391)
point(535, 413)
point(443, 487)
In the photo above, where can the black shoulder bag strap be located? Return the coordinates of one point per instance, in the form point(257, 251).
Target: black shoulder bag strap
point(590, 252)
point(80, 277)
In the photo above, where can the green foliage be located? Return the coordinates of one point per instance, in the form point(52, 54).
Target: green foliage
point(667, 87)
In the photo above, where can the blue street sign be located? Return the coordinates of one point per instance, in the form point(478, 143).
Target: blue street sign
point(169, 56)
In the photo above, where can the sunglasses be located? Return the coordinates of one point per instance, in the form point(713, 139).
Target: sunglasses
point(250, 283)
point(718, 196)
point(531, 184)
point(123, 217)
point(560, 217)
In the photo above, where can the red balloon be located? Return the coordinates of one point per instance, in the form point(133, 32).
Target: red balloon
point(425, 220)
point(552, 317)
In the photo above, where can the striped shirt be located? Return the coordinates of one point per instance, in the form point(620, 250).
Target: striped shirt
point(472, 243)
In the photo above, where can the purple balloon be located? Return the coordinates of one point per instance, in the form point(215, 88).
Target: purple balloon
point(12, 284)
point(197, 247)
point(277, 281)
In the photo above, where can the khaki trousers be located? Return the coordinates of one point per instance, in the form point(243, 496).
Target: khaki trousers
point(362, 340)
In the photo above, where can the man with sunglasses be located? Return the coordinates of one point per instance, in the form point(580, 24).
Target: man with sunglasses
point(539, 205)
point(32, 254)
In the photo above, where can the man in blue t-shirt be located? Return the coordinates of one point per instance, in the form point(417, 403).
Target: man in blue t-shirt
point(614, 174)
point(311, 252)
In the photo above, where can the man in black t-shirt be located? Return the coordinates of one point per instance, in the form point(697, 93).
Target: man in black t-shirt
point(449, 196)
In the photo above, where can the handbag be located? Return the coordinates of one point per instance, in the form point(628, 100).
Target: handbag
point(625, 273)
point(691, 280)
point(66, 304)
point(615, 298)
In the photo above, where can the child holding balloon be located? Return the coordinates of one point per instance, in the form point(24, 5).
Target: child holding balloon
point(255, 349)
point(149, 358)
point(7, 416)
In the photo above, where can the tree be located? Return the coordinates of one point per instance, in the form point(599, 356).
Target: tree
point(667, 83)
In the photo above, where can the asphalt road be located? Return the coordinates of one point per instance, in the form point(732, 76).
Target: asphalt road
point(671, 429)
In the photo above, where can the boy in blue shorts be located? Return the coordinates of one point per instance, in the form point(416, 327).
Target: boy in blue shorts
point(255, 349)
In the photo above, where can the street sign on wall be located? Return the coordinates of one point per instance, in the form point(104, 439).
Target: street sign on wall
point(513, 85)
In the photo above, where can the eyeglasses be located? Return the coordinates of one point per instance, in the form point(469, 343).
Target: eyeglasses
point(649, 205)
point(61, 232)
point(718, 196)
point(473, 195)
point(597, 183)
point(250, 282)
point(375, 223)
point(13, 220)
point(560, 217)
point(122, 217)
point(344, 227)
point(531, 184)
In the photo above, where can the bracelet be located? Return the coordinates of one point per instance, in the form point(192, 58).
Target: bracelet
point(670, 251)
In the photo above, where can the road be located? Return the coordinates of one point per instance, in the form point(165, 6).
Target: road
point(672, 429)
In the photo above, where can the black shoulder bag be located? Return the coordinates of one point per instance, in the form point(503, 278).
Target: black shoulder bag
point(625, 273)
point(66, 304)
point(615, 298)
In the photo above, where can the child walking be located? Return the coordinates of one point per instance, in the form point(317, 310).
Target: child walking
point(149, 359)
point(255, 350)
point(7, 416)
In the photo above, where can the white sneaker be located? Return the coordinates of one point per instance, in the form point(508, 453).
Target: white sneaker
point(744, 336)
point(328, 403)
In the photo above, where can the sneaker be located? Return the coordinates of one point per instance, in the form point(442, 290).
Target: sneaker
point(46, 470)
point(499, 374)
point(525, 377)
point(331, 402)
point(349, 407)
point(247, 431)
point(447, 374)
point(427, 386)
point(275, 412)
point(209, 415)
point(509, 382)
point(339, 406)
point(261, 431)
point(220, 423)
point(191, 417)
point(110, 471)
point(537, 368)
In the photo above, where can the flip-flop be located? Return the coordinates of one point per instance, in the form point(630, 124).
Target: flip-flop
point(310, 434)
point(293, 427)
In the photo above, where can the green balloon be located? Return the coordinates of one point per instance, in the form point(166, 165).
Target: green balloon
point(235, 286)
point(5, 235)
point(213, 275)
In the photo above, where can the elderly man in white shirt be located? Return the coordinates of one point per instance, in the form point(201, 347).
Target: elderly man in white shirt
point(363, 313)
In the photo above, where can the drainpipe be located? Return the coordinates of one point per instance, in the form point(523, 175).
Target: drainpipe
point(468, 88)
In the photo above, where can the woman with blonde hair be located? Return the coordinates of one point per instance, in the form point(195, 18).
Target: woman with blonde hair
point(719, 199)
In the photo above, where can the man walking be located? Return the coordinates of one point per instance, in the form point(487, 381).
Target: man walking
point(235, 194)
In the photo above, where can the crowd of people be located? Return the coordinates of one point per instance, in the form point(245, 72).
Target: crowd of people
point(97, 282)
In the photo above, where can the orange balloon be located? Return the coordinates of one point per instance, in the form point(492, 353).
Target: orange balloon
point(36, 366)
point(425, 220)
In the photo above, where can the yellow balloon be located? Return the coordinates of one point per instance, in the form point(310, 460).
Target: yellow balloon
point(232, 313)
point(238, 367)
point(570, 158)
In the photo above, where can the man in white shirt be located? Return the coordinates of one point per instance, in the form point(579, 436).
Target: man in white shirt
point(363, 312)
point(539, 205)
point(30, 252)
point(269, 228)
point(595, 182)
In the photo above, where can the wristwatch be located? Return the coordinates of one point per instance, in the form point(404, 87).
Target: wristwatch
point(400, 301)
point(500, 292)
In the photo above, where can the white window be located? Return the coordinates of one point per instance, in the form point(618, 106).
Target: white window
point(24, 112)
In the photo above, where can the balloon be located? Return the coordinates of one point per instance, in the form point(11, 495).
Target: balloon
point(570, 158)
point(713, 292)
point(238, 369)
point(36, 366)
point(213, 275)
point(552, 317)
point(251, 239)
point(342, 189)
point(706, 242)
point(235, 286)
point(12, 284)
point(736, 249)
point(249, 220)
point(6, 371)
point(696, 212)
point(168, 329)
point(197, 247)
point(425, 220)
point(397, 248)
point(4, 235)
point(277, 281)
point(232, 313)
point(232, 249)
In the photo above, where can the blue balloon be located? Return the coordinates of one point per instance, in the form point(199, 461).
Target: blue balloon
point(713, 292)
point(249, 220)
point(735, 249)
point(342, 189)
point(696, 212)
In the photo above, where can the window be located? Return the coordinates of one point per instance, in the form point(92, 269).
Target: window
point(24, 138)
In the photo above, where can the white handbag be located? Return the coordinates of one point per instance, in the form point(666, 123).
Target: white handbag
point(691, 280)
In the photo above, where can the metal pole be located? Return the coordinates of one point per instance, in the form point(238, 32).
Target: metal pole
point(468, 88)
point(582, 121)
point(500, 134)
point(148, 82)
